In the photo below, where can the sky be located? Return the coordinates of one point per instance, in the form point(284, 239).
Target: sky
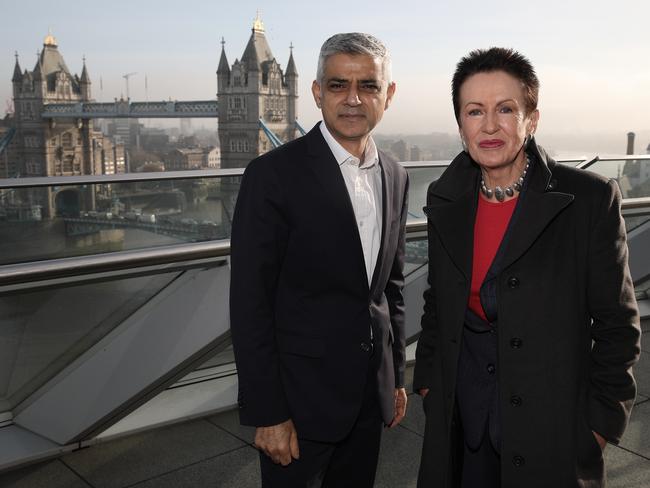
point(592, 57)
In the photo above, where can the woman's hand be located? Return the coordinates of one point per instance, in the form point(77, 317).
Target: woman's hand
point(423, 392)
point(602, 442)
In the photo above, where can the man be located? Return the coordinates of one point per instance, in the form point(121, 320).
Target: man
point(317, 312)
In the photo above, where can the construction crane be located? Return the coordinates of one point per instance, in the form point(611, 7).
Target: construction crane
point(126, 78)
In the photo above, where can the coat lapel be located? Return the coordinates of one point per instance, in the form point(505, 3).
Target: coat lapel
point(328, 174)
point(539, 206)
point(452, 210)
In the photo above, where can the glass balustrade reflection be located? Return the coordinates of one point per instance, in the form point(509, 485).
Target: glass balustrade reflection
point(50, 222)
point(632, 175)
point(42, 332)
point(419, 181)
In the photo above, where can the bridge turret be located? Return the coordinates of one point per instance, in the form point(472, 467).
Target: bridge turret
point(291, 78)
point(84, 83)
point(223, 71)
point(17, 78)
point(18, 74)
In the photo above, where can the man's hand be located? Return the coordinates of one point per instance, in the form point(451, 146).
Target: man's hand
point(279, 442)
point(423, 392)
point(400, 406)
point(602, 442)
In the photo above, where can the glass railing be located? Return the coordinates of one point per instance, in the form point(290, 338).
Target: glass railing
point(631, 172)
point(43, 331)
point(46, 326)
point(51, 218)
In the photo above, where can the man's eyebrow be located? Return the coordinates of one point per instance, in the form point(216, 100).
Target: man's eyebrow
point(337, 80)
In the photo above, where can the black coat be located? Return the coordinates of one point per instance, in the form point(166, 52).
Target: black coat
point(301, 310)
point(564, 282)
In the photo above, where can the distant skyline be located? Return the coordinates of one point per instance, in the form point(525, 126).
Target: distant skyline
point(592, 57)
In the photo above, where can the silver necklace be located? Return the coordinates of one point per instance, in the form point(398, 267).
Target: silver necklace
point(501, 193)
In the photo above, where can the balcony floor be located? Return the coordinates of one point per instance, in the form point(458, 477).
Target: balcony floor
point(217, 452)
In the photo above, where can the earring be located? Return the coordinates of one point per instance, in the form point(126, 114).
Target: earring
point(464, 144)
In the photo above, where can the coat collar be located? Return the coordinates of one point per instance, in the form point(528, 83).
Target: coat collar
point(452, 202)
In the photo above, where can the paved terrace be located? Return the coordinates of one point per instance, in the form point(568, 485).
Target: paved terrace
point(216, 452)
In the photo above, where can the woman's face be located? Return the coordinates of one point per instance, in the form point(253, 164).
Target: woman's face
point(493, 120)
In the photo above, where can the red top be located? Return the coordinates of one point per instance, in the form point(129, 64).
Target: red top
point(490, 226)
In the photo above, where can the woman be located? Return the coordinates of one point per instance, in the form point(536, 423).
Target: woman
point(527, 266)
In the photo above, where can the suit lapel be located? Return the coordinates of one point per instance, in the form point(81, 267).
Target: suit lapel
point(387, 208)
point(328, 174)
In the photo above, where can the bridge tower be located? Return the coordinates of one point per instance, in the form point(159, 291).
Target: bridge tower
point(43, 148)
point(254, 88)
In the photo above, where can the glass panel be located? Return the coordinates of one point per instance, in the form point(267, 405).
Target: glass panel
point(225, 356)
point(419, 180)
point(416, 255)
point(41, 332)
point(642, 290)
point(634, 221)
point(61, 221)
point(633, 175)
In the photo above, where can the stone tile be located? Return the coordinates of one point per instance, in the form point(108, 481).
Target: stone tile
point(625, 469)
point(229, 421)
point(50, 474)
point(399, 459)
point(239, 468)
point(415, 418)
point(642, 374)
point(136, 458)
point(637, 435)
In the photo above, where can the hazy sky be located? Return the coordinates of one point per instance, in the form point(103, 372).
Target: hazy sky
point(592, 57)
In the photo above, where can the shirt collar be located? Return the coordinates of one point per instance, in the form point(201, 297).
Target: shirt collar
point(370, 155)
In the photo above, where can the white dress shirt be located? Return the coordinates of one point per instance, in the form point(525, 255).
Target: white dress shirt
point(363, 181)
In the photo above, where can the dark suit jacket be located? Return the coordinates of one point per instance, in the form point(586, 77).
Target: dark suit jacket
point(301, 309)
point(568, 326)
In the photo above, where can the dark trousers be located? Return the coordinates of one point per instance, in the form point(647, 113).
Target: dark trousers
point(481, 467)
point(351, 462)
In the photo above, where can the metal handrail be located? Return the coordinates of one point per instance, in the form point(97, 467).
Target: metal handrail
point(20, 273)
point(40, 181)
point(13, 274)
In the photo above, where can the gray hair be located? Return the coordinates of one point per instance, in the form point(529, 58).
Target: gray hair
point(354, 43)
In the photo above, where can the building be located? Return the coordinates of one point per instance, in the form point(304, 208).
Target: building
point(212, 158)
point(400, 150)
point(416, 153)
point(255, 88)
point(183, 159)
point(49, 148)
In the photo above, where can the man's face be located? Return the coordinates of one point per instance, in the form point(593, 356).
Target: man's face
point(352, 96)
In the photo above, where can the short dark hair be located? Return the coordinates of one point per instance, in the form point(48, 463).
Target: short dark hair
point(354, 43)
point(496, 59)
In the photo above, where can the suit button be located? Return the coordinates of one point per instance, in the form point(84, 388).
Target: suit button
point(513, 282)
point(516, 343)
point(515, 401)
point(518, 461)
point(365, 347)
point(490, 368)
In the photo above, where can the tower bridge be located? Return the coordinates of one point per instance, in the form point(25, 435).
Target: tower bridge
point(256, 106)
point(121, 109)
